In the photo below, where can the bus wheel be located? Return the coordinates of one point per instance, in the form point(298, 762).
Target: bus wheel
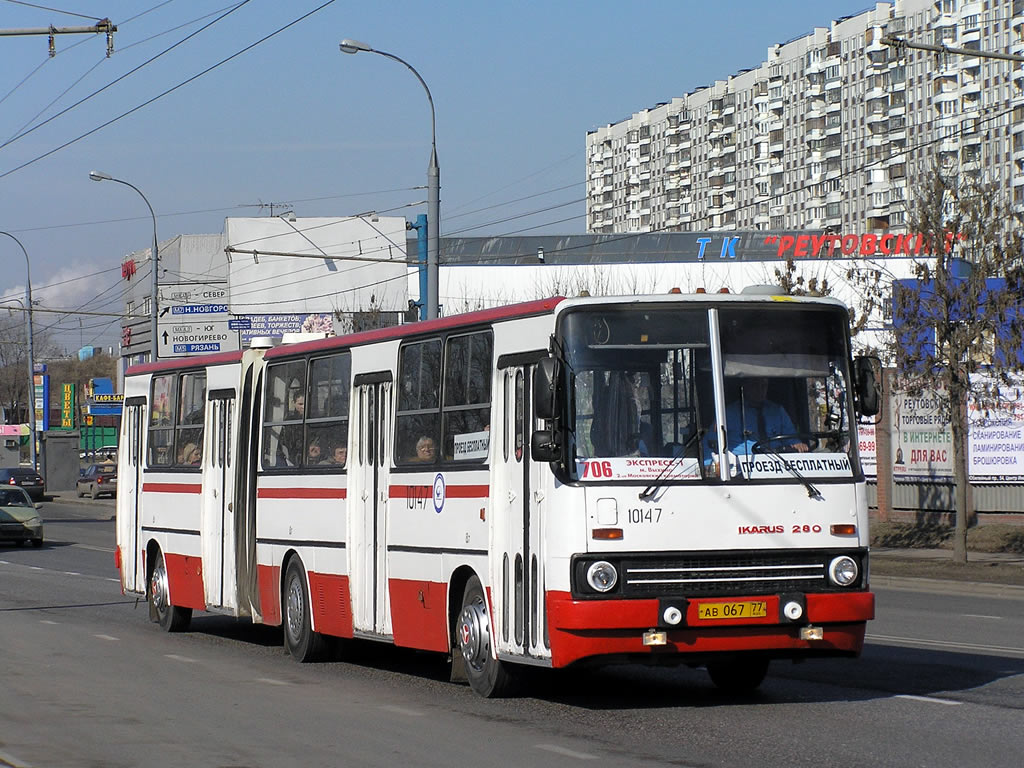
point(487, 676)
point(738, 675)
point(299, 638)
point(171, 618)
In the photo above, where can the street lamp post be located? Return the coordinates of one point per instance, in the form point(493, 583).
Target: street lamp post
point(31, 356)
point(153, 344)
point(433, 179)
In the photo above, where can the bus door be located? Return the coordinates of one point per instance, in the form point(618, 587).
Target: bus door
point(368, 502)
point(129, 494)
point(217, 528)
point(522, 628)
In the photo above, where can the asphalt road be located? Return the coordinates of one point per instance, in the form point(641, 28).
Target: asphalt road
point(88, 681)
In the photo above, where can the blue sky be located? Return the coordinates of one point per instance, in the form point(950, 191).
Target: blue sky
point(516, 87)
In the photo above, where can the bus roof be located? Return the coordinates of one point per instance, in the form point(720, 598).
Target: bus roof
point(495, 315)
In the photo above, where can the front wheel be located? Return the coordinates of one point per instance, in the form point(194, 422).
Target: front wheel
point(488, 676)
point(299, 638)
point(171, 618)
point(738, 675)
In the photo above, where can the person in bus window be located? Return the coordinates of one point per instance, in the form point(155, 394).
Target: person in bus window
point(752, 418)
point(291, 434)
point(190, 455)
point(426, 450)
point(313, 452)
point(338, 456)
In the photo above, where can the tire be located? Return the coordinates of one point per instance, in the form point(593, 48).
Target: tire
point(37, 543)
point(78, 491)
point(171, 618)
point(738, 675)
point(301, 642)
point(487, 676)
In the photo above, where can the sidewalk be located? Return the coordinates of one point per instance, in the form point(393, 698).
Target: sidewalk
point(945, 555)
point(887, 563)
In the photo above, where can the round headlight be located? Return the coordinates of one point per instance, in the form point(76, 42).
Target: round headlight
point(843, 571)
point(601, 576)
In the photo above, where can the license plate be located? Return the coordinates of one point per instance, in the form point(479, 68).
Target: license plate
point(752, 609)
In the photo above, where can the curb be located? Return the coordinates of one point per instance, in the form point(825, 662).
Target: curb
point(947, 587)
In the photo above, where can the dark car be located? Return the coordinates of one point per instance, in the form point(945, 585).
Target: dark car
point(25, 477)
point(96, 480)
point(19, 517)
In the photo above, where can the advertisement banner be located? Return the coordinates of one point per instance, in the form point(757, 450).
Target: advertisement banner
point(867, 448)
point(995, 438)
point(922, 441)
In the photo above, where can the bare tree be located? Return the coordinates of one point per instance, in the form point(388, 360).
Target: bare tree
point(963, 311)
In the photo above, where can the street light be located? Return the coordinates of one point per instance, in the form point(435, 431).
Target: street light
point(100, 176)
point(31, 356)
point(433, 179)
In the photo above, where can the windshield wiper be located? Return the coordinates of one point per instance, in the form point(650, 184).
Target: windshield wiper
point(812, 491)
point(674, 462)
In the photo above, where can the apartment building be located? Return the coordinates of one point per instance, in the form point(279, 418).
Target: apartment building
point(830, 131)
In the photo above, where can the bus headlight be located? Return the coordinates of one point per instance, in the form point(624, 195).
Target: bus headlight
point(602, 576)
point(843, 571)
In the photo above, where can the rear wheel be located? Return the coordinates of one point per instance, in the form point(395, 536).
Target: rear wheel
point(171, 618)
point(37, 543)
point(488, 676)
point(738, 675)
point(299, 638)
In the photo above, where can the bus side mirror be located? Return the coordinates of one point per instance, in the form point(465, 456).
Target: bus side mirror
point(866, 383)
point(543, 446)
point(544, 387)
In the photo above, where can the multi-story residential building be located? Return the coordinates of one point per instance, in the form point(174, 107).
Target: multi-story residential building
point(830, 131)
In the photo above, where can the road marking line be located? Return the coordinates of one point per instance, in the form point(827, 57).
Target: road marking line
point(8, 760)
point(929, 699)
point(917, 641)
point(106, 637)
point(402, 710)
point(565, 752)
point(94, 549)
point(271, 681)
point(72, 573)
point(47, 621)
point(982, 616)
point(176, 657)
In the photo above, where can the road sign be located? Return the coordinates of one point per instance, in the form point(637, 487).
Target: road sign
point(193, 320)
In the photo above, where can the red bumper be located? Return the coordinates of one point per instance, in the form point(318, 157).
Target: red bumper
point(581, 629)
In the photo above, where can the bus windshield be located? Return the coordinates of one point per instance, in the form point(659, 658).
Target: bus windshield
point(642, 393)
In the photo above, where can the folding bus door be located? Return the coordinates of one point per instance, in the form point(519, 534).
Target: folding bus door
point(217, 529)
point(129, 494)
point(368, 505)
point(519, 556)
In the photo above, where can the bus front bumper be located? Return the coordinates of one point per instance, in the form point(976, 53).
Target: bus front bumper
point(831, 624)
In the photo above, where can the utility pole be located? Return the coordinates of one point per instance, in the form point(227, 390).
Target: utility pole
point(103, 26)
point(899, 43)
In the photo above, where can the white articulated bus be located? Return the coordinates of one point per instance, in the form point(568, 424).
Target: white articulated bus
point(559, 482)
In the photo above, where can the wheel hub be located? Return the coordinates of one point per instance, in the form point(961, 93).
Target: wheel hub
point(474, 634)
point(294, 607)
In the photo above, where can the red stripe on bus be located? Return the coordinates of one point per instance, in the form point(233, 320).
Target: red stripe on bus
point(173, 487)
point(301, 493)
point(450, 491)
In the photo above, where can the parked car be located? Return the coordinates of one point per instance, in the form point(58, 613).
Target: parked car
point(97, 479)
point(107, 452)
point(25, 477)
point(19, 517)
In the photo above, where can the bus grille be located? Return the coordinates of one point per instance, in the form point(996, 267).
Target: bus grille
point(751, 574)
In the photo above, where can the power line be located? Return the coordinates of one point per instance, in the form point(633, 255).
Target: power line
point(113, 82)
point(167, 91)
